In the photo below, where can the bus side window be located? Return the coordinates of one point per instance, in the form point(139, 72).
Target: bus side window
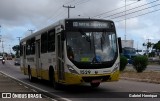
point(44, 42)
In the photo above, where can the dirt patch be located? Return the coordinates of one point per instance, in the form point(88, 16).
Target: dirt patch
point(147, 76)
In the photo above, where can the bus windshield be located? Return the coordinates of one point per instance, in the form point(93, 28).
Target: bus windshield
point(91, 46)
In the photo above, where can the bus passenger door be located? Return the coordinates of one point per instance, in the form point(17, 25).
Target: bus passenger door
point(60, 57)
point(38, 66)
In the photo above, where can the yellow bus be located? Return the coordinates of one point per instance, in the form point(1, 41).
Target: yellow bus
point(72, 51)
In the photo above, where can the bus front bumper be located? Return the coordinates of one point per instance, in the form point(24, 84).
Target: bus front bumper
point(72, 79)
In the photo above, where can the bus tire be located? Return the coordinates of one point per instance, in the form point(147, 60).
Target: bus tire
point(95, 84)
point(31, 78)
point(52, 78)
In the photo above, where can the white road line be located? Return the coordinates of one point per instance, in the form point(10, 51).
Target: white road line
point(36, 87)
point(144, 91)
point(26, 87)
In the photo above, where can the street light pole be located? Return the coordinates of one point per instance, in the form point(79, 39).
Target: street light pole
point(3, 47)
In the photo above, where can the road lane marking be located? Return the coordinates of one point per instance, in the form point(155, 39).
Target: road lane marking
point(39, 89)
point(26, 87)
point(144, 91)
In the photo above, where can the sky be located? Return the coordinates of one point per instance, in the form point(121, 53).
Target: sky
point(17, 17)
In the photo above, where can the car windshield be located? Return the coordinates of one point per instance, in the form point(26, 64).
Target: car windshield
point(91, 46)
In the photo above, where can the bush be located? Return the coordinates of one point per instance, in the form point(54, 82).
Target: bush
point(140, 63)
point(123, 62)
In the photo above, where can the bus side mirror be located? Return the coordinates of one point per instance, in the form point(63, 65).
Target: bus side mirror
point(63, 36)
point(120, 44)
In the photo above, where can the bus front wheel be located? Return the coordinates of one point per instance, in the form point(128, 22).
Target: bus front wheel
point(95, 84)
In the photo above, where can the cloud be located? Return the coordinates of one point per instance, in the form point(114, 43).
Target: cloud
point(17, 16)
point(19, 12)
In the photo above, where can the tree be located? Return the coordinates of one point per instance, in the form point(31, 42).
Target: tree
point(149, 45)
point(157, 46)
point(16, 48)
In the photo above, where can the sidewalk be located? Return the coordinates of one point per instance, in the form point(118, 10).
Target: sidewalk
point(12, 90)
point(150, 67)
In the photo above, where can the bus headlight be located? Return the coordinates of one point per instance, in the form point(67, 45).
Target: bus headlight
point(116, 67)
point(71, 69)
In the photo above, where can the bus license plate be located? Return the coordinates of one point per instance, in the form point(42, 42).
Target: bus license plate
point(96, 81)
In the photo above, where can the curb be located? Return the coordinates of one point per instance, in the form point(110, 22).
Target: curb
point(140, 80)
point(46, 93)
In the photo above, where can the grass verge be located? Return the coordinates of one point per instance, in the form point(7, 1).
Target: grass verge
point(146, 76)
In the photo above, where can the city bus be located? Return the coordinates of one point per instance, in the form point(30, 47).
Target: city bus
point(72, 51)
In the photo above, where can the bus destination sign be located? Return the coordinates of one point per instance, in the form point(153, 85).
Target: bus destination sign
point(91, 24)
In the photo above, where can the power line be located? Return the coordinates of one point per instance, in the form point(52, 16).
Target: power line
point(58, 15)
point(123, 7)
point(135, 11)
point(77, 2)
point(129, 9)
point(81, 2)
point(140, 15)
point(114, 9)
point(69, 2)
point(58, 12)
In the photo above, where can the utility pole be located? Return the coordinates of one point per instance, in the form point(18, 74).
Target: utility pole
point(0, 28)
point(69, 9)
point(10, 49)
point(0, 32)
point(2, 46)
point(19, 38)
point(0, 38)
point(31, 30)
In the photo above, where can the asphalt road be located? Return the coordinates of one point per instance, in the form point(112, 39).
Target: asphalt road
point(115, 91)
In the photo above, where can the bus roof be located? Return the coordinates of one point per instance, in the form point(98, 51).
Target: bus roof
point(52, 26)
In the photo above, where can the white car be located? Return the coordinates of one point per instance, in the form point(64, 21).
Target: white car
point(17, 61)
point(1, 57)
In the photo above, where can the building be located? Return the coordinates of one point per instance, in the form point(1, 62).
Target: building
point(127, 43)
